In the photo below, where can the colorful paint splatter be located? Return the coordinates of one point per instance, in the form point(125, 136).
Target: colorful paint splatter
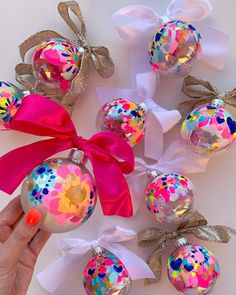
point(10, 101)
point(193, 268)
point(57, 62)
point(209, 129)
point(174, 48)
point(63, 190)
point(106, 274)
point(124, 118)
point(169, 197)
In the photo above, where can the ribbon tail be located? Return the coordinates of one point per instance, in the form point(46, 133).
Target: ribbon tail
point(154, 140)
point(55, 274)
point(178, 158)
point(35, 40)
point(155, 264)
point(18, 163)
point(114, 191)
point(215, 46)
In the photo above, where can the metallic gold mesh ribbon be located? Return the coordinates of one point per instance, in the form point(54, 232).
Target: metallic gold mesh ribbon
point(99, 55)
point(159, 240)
point(203, 92)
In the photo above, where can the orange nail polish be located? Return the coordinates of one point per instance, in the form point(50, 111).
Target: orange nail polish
point(33, 217)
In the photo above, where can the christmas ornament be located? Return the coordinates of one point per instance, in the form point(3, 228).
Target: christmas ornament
point(169, 195)
point(136, 115)
point(63, 190)
point(192, 269)
point(176, 40)
point(70, 194)
point(208, 128)
point(10, 101)
point(111, 270)
point(106, 274)
point(124, 118)
point(174, 48)
point(61, 66)
point(56, 62)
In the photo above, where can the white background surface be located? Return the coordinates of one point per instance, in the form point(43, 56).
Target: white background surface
point(216, 188)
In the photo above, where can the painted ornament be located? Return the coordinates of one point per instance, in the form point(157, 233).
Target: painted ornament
point(63, 191)
point(10, 101)
point(106, 274)
point(174, 48)
point(193, 270)
point(56, 63)
point(170, 197)
point(209, 129)
point(124, 118)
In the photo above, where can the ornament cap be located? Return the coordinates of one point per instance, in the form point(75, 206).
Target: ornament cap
point(78, 157)
point(26, 92)
point(143, 106)
point(218, 102)
point(97, 250)
point(152, 174)
point(181, 242)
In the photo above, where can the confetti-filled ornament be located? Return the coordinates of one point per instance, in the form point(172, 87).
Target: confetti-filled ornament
point(170, 197)
point(106, 274)
point(56, 63)
point(124, 118)
point(193, 270)
point(10, 101)
point(209, 129)
point(174, 48)
point(63, 191)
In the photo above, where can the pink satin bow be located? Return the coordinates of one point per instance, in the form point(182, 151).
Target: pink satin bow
point(110, 156)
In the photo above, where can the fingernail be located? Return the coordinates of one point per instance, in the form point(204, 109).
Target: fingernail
point(33, 217)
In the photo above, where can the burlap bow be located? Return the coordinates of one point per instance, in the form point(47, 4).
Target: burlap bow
point(98, 54)
point(203, 92)
point(159, 240)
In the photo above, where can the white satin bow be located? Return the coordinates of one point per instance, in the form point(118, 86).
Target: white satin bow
point(73, 250)
point(159, 120)
point(138, 23)
point(178, 158)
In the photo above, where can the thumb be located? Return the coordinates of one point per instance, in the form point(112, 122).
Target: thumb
point(23, 233)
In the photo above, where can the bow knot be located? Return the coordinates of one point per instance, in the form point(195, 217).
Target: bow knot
point(202, 92)
point(196, 225)
point(109, 155)
point(100, 57)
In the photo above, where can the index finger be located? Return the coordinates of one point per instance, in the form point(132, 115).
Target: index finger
point(10, 214)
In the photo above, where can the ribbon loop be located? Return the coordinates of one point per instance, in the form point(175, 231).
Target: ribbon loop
point(189, 10)
point(63, 9)
point(203, 92)
point(132, 21)
point(109, 155)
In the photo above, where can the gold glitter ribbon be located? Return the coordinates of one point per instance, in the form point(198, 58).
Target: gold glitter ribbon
point(203, 92)
point(99, 55)
point(159, 240)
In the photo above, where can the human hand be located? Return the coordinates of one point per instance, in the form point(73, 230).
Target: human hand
point(21, 241)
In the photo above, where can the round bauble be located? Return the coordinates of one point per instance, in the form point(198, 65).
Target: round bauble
point(193, 270)
point(106, 274)
point(209, 129)
point(10, 101)
point(62, 191)
point(174, 48)
point(124, 118)
point(170, 198)
point(56, 62)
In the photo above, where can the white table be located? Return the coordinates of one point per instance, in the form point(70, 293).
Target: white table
point(216, 188)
